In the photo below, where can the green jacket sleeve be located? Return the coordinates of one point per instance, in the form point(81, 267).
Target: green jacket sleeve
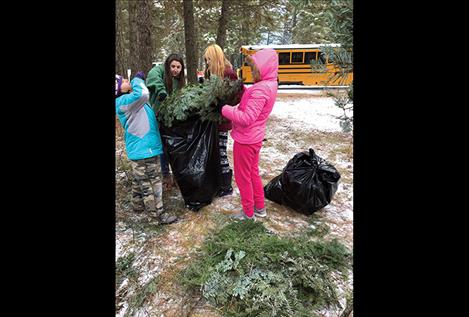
point(155, 84)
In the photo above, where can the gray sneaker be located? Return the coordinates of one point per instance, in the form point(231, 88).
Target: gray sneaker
point(260, 212)
point(242, 216)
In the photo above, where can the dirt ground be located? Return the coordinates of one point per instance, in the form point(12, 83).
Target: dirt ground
point(159, 253)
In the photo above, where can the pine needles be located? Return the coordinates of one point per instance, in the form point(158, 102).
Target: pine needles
point(247, 271)
point(200, 100)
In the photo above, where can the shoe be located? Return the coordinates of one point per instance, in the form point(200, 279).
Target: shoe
point(165, 218)
point(242, 216)
point(260, 212)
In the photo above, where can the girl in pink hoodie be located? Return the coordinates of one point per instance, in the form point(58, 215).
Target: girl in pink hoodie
point(249, 119)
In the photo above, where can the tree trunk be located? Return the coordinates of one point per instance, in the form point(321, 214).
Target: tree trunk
point(145, 57)
point(286, 37)
point(190, 41)
point(201, 62)
point(133, 39)
point(221, 34)
point(293, 24)
point(119, 40)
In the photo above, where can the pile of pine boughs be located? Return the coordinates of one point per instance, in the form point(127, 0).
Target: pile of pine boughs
point(247, 271)
point(201, 100)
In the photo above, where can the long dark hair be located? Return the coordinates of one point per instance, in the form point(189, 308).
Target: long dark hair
point(167, 73)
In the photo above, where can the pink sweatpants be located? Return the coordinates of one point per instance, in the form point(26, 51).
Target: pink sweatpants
point(246, 173)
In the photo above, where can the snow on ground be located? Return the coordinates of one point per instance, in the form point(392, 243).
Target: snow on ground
point(299, 120)
point(300, 123)
point(317, 113)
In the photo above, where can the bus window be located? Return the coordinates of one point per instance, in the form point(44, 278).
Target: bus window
point(297, 57)
point(322, 58)
point(243, 60)
point(284, 58)
point(309, 56)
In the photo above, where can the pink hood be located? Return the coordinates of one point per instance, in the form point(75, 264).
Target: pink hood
point(249, 118)
point(267, 62)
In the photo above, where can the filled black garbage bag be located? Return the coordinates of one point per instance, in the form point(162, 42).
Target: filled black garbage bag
point(191, 148)
point(306, 184)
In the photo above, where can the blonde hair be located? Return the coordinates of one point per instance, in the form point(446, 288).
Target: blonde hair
point(216, 60)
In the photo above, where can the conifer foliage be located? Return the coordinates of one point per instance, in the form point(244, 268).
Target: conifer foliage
point(201, 99)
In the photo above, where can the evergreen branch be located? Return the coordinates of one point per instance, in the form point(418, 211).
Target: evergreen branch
point(201, 100)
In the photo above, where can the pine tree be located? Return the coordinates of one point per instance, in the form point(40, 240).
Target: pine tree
point(200, 100)
point(190, 36)
point(145, 57)
point(133, 37)
point(340, 19)
point(122, 22)
point(221, 34)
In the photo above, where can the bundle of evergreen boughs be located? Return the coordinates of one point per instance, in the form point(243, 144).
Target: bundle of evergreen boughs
point(247, 271)
point(201, 100)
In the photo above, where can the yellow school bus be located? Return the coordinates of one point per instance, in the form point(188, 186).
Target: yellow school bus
point(295, 65)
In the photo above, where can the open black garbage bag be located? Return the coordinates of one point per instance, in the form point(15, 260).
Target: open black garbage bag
point(191, 148)
point(306, 184)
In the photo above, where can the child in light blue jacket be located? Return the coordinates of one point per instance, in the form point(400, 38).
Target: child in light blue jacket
point(143, 146)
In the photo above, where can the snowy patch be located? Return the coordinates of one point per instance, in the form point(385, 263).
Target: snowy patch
point(316, 113)
point(300, 119)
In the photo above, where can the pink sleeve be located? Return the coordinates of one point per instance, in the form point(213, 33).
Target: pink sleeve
point(254, 106)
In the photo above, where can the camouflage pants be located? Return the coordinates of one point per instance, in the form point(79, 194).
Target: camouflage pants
point(146, 185)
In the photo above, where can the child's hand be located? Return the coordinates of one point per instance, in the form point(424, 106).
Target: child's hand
point(140, 75)
point(125, 86)
point(220, 107)
point(162, 96)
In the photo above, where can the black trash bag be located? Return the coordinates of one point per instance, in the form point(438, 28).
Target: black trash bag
point(191, 148)
point(306, 184)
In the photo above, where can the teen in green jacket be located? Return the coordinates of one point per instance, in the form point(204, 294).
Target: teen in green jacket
point(162, 81)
